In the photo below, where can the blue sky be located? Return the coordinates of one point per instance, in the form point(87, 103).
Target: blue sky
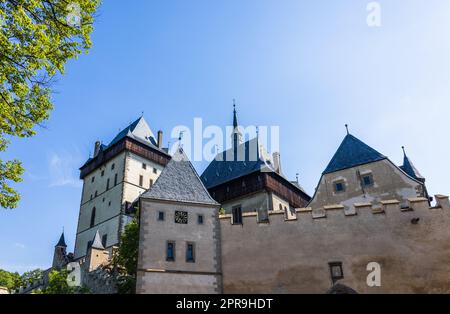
point(307, 66)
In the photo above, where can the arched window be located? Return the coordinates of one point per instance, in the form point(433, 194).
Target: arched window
point(281, 208)
point(93, 217)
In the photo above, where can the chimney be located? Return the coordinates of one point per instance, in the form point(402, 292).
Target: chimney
point(160, 135)
point(97, 148)
point(277, 162)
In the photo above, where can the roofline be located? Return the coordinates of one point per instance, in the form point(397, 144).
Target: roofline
point(154, 149)
point(162, 200)
point(259, 170)
point(386, 158)
point(356, 165)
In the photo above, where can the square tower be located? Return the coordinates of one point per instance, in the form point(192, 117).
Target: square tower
point(113, 179)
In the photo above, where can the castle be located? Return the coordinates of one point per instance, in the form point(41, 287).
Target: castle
point(244, 227)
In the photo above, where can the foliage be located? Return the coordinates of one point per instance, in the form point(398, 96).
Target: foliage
point(125, 259)
point(222, 211)
point(31, 277)
point(57, 284)
point(37, 38)
point(9, 280)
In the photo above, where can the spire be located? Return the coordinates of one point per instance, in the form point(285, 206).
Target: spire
point(62, 241)
point(236, 136)
point(409, 167)
point(235, 123)
point(346, 127)
point(97, 244)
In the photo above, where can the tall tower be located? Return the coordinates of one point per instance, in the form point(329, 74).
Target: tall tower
point(60, 254)
point(113, 180)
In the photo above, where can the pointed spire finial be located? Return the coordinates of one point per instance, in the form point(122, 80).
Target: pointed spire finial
point(346, 127)
point(296, 176)
point(404, 151)
point(235, 124)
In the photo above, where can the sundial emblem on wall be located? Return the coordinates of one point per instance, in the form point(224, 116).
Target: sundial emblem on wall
point(181, 217)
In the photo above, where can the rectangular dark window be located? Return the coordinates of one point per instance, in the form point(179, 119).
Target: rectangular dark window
point(103, 173)
point(144, 166)
point(93, 179)
point(237, 215)
point(336, 271)
point(190, 253)
point(113, 166)
point(161, 216)
point(339, 187)
point(170, 251)
point(155, 171)
point(115, 179)
point(104, 239)
point(367, 180)
point(107, 184)
point(200, 219)
point(151, 182)
point(141, 180)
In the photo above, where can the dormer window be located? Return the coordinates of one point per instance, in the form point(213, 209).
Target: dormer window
point(367, 180)
point(339, 186)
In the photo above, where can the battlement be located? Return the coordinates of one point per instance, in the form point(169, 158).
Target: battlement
point(382, 207)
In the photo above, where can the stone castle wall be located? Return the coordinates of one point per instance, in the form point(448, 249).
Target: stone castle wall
point(290, 254)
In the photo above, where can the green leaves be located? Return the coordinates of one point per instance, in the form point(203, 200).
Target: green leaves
point(37, 38)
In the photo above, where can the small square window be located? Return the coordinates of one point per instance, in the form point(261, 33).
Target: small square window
point(161, 216)
point(144, 166)
point(339, 187)
point(367, 180)
point(336, 271)
point(155, 171)
point(200, 219)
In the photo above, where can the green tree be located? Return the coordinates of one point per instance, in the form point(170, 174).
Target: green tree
point(31, 277)
point(57, 284)
point(125, 259)
point(9, 280)
point(37, 38)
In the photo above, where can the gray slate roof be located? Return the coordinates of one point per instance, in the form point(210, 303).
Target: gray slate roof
point(410, 169)
point(351, 153)
point(179, 182)
point(140, 131)
point(97, 244)
point(62, 241)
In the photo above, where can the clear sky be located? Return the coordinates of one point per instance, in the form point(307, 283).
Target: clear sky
point(307, 66)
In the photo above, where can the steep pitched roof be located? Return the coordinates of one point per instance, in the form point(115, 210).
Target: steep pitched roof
point(352, 152)
point(409, 168)
point(97, 244)
point(62, 241)
point(139, 130)
point(225, 167)
point(179, 182)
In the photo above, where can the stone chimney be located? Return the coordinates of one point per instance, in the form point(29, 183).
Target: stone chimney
point(97, 148)
point(277, 162)
point(160, 139)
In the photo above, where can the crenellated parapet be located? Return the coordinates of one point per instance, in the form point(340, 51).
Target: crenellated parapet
point(385, 207)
